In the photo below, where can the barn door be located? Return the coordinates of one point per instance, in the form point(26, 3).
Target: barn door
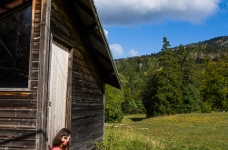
point(58, 81)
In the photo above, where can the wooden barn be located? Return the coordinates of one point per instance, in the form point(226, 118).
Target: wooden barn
point(54, 63)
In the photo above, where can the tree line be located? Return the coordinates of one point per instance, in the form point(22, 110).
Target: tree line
point(183, 79)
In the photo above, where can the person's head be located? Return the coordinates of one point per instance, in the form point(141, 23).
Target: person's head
point(62, 138)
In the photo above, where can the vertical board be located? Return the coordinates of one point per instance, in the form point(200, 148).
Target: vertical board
point(57, 88)
point(39, 63)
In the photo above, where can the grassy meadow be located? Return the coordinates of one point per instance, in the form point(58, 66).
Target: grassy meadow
point(195, 131)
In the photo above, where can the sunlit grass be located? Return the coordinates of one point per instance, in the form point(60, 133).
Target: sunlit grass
point(194, 131)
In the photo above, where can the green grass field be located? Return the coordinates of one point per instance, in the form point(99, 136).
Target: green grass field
point(195, 131)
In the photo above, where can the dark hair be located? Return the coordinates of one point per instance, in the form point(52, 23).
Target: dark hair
point(58, 138)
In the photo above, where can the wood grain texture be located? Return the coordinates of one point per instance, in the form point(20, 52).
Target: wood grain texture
point(18, 94)
point(42, 15)
point(58, 88)
point(18, 120)
point(87, 102)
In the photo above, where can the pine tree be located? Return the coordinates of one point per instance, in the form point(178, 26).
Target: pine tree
point(189, 86)
point(165, 96)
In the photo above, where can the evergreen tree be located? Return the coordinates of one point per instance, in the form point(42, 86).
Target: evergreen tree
point(165, 85)
point(189, 86)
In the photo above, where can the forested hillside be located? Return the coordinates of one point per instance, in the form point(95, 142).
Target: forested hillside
point(182, 79)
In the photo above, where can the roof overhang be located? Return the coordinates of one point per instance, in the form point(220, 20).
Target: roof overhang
point(89, 15)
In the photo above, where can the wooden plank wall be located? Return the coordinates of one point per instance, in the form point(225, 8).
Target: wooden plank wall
point(87, 102)
point(87, 108)
point(18, 119)
point(18, 109)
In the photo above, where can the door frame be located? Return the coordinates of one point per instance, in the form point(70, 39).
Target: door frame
point(68, 88)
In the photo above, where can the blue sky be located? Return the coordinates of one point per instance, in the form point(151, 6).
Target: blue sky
point(137, 27)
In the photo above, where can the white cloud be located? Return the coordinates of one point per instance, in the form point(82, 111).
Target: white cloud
point(116, 49)
point(133, 52)
point(128, 12)
point(106, 33)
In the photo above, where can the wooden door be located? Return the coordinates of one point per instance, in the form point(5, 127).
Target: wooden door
point(58, 81)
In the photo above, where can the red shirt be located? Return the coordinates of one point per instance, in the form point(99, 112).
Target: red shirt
point(58, 148)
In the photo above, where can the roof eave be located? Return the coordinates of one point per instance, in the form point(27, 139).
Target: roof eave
point(106, 45)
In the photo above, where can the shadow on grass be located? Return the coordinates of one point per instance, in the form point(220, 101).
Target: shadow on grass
point(136, 119)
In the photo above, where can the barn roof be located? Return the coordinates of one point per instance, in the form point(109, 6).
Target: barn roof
point(88, 12)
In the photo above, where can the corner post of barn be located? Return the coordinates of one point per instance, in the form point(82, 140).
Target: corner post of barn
point(42, 91)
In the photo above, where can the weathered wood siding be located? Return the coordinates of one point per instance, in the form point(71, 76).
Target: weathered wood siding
point(87, 102)
point(18, 109)
point(87, 118)
point(42, 13)
point(18, 119)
